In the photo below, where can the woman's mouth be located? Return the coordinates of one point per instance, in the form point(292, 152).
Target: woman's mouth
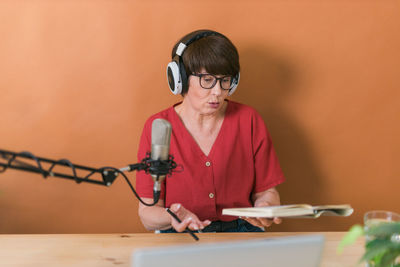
point(214, 104)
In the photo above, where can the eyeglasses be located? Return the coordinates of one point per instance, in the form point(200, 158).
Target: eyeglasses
point(208, 81)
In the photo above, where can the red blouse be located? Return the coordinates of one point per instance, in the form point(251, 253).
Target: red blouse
point(242, 161)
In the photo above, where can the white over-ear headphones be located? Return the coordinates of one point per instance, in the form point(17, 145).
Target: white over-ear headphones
point(176, 73)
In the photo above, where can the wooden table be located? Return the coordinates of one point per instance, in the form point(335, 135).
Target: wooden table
point(116, 249)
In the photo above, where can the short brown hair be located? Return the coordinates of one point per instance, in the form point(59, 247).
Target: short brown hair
point(215, 53)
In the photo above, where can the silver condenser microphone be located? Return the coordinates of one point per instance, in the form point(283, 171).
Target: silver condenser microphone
point(158, 164)
point(160, 141)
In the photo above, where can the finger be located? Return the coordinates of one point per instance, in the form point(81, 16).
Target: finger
point(204, 224)
point(199, 224)
point(277, 220)
point(194, 226)
point(265, 222)
point(253, 221)
point(179, 210)
point(180, 227)
point(195, 223)
point(248, 219)
point(175, 207)
point(262, 222)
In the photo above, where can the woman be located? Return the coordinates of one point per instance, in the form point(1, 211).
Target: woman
point(224, 147)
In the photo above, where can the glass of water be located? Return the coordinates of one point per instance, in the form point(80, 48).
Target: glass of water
point(376, 217)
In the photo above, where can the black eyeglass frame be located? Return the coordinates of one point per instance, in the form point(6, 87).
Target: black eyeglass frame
point(233, 82)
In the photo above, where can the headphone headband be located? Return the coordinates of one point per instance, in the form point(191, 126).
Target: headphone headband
point(191, 38)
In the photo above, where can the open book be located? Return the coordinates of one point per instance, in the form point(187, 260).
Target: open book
point(295, 211)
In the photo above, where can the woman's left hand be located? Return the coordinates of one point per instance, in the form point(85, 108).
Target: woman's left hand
point(263, 222)
point(269, 197)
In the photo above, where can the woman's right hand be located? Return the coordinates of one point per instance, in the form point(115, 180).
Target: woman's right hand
point(188, 218)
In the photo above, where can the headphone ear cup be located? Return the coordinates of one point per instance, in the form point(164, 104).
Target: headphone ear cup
point(174, 78)
point(237, 79)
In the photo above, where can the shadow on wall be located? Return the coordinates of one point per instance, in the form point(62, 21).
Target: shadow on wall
point(267, 81)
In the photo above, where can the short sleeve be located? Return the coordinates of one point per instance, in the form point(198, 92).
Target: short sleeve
point(268, 172)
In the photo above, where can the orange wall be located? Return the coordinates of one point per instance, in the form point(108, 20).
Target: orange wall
point(79, 78)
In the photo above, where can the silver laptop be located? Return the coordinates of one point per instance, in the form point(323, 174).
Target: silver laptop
point(300, 251)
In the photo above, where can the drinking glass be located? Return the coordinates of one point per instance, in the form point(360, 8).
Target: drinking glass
point(376, 217)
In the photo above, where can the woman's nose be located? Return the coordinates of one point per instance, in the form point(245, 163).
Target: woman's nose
point(217, 90)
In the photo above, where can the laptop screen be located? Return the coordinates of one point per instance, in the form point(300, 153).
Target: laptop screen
point(301, 251)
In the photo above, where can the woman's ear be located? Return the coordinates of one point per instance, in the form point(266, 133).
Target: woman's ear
point(189, 82)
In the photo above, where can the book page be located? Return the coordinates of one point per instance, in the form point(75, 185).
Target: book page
point(271, 211)
point(342, 210)
point(294, 211)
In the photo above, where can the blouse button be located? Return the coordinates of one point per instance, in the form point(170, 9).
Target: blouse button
point(208, 164)
point(211, 195)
